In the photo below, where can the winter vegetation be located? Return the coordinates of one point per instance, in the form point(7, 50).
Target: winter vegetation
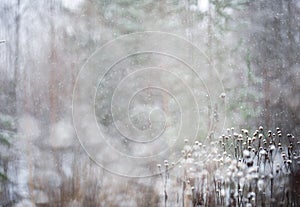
point(239, 169)
point(127, 103)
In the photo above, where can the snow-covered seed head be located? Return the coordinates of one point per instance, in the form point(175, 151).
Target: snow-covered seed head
point(255, 133)
point(261, 128)
point(260, 136)
point(263, 152)
point(222, 95)
point(186, 141)
point(251, 195)
point(283, 155)
point(158, 166)
point(246, 131)
point(246, 153)
point(240, 137)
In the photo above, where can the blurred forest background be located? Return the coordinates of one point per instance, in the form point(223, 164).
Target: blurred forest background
point(253, 44)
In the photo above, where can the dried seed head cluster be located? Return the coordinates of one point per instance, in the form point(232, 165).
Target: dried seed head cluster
point(239, 169)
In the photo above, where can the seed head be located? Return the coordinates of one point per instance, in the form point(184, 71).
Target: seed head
point(272, 147)
point(223, 95)
point(246, 153)
point(246, 132)
point(263, 152)
point(255, 133)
